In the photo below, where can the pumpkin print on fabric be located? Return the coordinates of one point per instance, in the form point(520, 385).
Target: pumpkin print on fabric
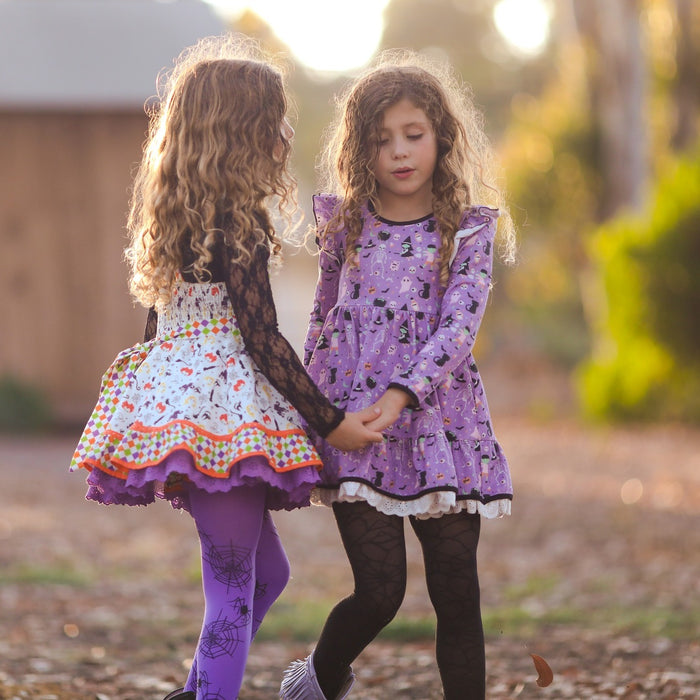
point(388, 320)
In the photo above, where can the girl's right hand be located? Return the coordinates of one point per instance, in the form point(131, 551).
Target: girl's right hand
point(352, 434)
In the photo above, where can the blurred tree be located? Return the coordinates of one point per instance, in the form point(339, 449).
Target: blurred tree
point(687, 84)
point(645, 363)
point(464, 32)
point(617, 84)
point(643, 291)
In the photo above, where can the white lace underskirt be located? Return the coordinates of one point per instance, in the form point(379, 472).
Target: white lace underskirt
point(431, 505)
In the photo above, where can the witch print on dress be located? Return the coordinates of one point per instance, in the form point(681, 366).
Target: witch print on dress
point(440, 457)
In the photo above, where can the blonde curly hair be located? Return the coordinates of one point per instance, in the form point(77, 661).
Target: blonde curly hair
point(214, 157)
point(464, 173)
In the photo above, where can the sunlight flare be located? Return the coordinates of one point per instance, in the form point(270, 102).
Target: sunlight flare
point(524, 24)
point(310, 29)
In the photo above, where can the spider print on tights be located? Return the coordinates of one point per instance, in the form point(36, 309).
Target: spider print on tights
point(229, 564)
point(260, 590)
point(223, 636)
point(205, 691)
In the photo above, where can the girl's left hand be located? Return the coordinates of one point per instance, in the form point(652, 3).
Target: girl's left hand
point(391, 403)
point(353, 433)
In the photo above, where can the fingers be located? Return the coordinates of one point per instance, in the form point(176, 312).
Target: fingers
point(378, 424)
point(369, 414)
point(374, 435)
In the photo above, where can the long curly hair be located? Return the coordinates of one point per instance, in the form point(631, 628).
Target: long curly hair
point(214, 158)
point(464, 173)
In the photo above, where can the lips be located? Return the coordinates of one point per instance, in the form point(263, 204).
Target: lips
point(403, 173)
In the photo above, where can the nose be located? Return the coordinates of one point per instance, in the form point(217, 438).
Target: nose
point(399, 148)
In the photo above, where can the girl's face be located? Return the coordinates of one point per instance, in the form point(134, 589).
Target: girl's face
point(405, 163)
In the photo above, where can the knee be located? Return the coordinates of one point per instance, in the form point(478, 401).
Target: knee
point(381, 605)
point(278, 576)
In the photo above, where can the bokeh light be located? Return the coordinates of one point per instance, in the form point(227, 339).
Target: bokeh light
point(326, 37)
point(523, 23)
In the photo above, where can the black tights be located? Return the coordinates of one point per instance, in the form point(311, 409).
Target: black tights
point(376, 549)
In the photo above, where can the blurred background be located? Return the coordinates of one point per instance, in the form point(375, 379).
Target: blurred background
point(592, 106)
point(589, 348)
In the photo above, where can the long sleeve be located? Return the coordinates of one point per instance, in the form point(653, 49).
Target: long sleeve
point(330, 262)
point(253, 304)
point(461, 313)
point(325, 298)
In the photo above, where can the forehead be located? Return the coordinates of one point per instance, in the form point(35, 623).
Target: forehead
point(403, 114)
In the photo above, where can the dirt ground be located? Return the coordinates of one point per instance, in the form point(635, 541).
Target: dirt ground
point(597, 571)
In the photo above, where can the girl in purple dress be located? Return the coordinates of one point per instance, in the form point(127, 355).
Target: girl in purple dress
point(207, 411)
point(406, 249)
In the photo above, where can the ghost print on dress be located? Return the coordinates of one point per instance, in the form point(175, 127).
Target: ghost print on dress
point(392, 322)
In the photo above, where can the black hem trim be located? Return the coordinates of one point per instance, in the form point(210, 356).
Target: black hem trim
point(436, 489)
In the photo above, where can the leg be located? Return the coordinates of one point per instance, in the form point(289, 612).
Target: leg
point(449, 550)
point(271, 571)
point(376, 549)
point(229, 526)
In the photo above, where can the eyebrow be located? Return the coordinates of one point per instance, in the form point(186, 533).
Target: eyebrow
point(420, 124)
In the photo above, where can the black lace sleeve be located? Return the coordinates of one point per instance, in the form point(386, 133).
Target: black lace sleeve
point(253, 304)
point(151, 325)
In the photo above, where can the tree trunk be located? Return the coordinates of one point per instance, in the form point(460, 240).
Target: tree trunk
point(617, 85)
point(687, 88)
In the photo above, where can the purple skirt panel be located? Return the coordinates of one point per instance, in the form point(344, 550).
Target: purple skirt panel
point(173, 478)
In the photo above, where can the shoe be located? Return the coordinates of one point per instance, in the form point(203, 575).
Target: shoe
point(181, 694)
point(299, 682)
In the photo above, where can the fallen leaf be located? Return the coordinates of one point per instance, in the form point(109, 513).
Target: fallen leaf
point(545, 676)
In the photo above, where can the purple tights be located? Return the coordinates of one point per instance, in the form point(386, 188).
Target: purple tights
point(244, 569)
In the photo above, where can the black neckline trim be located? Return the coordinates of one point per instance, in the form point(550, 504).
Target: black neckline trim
point(398, 223)
point(403, 223)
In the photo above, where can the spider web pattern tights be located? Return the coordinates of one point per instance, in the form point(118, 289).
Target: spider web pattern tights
point(244, 569)
point(376, 549)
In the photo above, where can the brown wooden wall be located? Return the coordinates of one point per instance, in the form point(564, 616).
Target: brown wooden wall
point(65, 309)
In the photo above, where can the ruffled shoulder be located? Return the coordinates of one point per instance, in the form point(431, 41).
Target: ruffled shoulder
point(476, 219)
point(325, 207)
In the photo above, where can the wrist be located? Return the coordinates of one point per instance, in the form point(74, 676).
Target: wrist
point(410, 400)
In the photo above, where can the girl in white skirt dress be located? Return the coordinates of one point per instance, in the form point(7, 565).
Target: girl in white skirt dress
point(206, 412)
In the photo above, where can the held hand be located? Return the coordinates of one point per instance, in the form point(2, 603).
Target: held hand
point(390, 404)
point(352, 433)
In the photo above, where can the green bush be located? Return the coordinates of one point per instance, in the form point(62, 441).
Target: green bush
point(23, 408)
point(645, 363)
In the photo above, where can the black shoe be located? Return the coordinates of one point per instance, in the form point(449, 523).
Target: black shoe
point(180, 694)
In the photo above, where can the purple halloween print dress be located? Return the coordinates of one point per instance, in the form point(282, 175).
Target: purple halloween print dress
point(388, 322)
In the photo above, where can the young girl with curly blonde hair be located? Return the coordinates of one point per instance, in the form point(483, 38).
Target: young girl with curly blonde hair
point(207, 411)
point(406, 235)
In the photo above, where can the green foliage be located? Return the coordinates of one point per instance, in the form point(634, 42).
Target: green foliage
point(23, 408)
point(548, 154)
point(645, 364)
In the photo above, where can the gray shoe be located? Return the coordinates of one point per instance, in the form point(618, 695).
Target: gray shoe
point(299, 682)
point(180, 694)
